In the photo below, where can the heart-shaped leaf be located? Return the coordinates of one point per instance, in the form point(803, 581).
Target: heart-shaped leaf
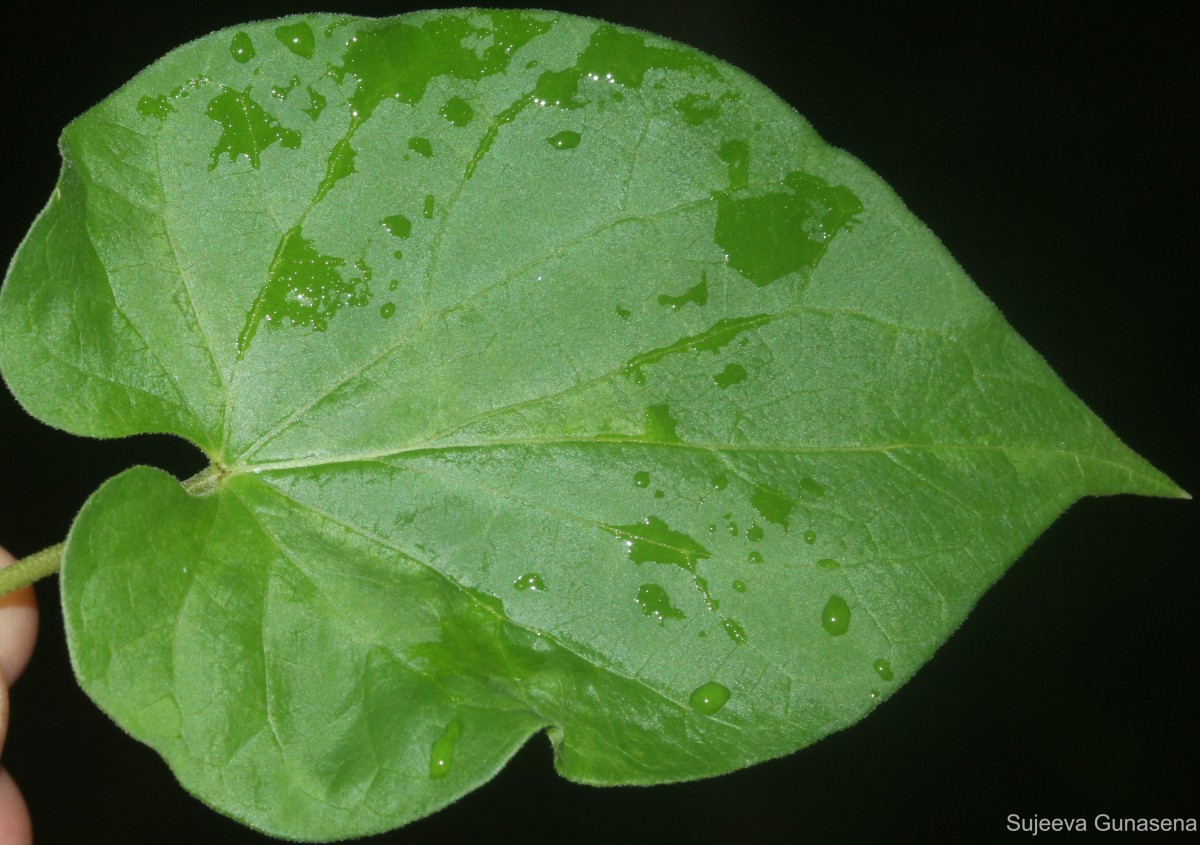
point(555, 377)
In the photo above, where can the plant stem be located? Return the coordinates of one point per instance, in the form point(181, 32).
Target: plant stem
point(48, 561)
point(205, 481)
point(32, 568)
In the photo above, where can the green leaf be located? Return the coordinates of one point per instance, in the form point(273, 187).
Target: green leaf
point(557, 377)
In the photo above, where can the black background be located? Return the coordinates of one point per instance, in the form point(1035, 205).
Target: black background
point(1054, 152)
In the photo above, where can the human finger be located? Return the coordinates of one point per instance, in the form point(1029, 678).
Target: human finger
point(15, 826)
point(18, 627)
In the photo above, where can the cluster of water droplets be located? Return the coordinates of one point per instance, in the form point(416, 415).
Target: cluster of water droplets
point(803, 214)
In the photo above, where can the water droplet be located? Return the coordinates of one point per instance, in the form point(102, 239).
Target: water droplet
point(656, 603)
point(393, 284)
point(755, 557)
point(458, 111)
point(565, 140)
point(157, 107)
point(316, 103)
point(247, 129)
point(441, 754)
point(371, 55)
point(241, 48)
point(420, 146)
point(623, 313)
point(754, 533)
point(338, 166)
point(883, 669)
point(658, 494)
point(810, 537)
point(387, 310)
point(828, 563)
point(697, 109)
point(771, 235)
point(613, 57)
point(306, 288)
point(774, 506)
point(709, 698)
point(181, 92)
point(731, 375)
point(736, 155)
point(835, 617)
point(734, 629)
point(641, 479)
point(427, 207)
point(660, 427)
point(739, 586)
point(502, 119)
point(281, 92)
point(697, 294)
point(530, 581)
point(733, 529)
point(653, 541)
point(297, 37)
point(713, 340)
point(720, 482)
point(812, 486)
point(398, 225)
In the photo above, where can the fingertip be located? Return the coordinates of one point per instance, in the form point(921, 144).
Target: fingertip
point(18, 628)
point(15, 825)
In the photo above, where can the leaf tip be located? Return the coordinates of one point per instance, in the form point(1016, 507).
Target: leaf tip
point(1163, 487)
